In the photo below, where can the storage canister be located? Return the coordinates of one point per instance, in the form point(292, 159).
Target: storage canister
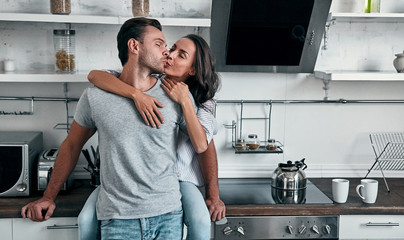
point(271, 144)
point(60, 6)
point(240, 145)
point(253, 142)
point(140, 8)
point(64, 43)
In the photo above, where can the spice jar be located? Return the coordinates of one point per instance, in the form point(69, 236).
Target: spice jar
point(60, 6)
point(240, 145)
point(271, 145)
point(140, 7)
point(253, 142)
point(64, 43)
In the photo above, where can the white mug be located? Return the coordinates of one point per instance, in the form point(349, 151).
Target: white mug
point(340, 189)
point(367, 190)
point(9, 65)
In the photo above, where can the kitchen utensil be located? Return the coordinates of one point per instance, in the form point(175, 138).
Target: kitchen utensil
point(367, 190)
point(340, 189)
point(289, 182)
point(88, 158)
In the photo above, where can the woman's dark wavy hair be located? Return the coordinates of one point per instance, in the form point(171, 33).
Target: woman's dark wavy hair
point(133, 28)
point(205, 83)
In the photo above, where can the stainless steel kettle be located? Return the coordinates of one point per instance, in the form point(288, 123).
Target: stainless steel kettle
point(289, 182)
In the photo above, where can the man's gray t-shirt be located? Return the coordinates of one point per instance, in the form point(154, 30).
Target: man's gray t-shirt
point(137, 161)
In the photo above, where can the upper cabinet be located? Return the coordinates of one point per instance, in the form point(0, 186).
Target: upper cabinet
point(361, 46)
point(27, 34)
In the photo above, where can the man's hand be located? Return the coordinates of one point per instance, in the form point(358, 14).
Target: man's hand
point(39, 210)
point(217, 209)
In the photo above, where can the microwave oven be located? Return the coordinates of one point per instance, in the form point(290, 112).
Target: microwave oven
point(18, 154)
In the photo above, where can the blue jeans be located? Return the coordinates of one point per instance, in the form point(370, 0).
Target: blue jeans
point(162, 227)
point(87, 220)
point(196, 214)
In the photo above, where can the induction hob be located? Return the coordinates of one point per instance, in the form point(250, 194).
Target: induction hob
point(246, 191)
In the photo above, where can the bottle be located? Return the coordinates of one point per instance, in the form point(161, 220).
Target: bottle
point(372, 6)
point(64, 43)
point(60, 6)
point(140, 8)
point(253, 143)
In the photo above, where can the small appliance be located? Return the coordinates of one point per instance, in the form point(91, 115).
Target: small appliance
point(18, 153)
point(45, 168)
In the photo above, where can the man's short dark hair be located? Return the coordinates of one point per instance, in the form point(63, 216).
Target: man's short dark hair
point(133, 28)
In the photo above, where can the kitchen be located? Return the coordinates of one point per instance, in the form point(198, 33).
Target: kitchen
point(333, 137)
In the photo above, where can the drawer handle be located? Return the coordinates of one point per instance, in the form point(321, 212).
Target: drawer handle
point(62, 226)
point(389, 224)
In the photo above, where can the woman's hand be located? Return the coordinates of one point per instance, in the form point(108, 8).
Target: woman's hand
point(148, 109)
point(178, 91)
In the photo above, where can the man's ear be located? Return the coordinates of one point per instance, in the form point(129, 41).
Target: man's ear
point(133, 45)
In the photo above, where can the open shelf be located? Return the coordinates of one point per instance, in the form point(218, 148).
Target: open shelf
point(368, 17)
point(43, 76)
point(91, 19)
point(359, 75)
point(261, 149)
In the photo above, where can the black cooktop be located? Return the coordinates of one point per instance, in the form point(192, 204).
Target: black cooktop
point(245, 191)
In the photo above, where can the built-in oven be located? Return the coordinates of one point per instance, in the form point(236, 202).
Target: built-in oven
point(255, 192)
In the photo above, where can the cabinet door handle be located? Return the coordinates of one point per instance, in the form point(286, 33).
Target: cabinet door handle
point(62, 226)
point(389, 224)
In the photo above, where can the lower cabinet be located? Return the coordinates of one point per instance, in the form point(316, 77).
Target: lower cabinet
point(54, 228)
point(6, 228)
point(381, 227)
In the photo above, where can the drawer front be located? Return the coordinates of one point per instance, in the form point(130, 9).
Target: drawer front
point(54, 228)
point(371, 227)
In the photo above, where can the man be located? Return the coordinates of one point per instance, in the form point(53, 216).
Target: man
point(139, 195)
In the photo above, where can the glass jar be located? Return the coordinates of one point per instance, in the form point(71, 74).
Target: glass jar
point(271, 145)
point(253, 143)
point(140, 8)
point(60, 6)
point(240, 145)
point(64, 43)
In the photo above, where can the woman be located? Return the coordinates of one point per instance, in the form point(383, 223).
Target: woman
point(190, 65)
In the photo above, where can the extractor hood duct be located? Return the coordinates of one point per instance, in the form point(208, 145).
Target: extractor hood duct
point(267, 35)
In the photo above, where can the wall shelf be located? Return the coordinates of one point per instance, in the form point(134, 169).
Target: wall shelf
point(359, 75)
point(368, 17)
point(91, 19)
point(42, 76)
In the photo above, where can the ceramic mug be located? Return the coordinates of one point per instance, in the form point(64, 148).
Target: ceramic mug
point(367, 190)
point(340, 189)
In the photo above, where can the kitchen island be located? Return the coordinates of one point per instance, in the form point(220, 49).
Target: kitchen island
point(69, 204)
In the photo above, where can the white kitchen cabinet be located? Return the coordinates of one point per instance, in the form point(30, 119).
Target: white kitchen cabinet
point(6, 229)
point(54, 228)
point(380, 227)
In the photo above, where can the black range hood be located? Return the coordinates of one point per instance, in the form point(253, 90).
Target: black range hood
point(267, 35)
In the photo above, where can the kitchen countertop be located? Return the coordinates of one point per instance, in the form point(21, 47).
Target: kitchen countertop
point(69, 204)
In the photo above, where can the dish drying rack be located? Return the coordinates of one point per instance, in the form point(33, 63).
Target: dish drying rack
point(389, 152)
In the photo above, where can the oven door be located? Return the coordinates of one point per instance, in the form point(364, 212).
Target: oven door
point(11, 167)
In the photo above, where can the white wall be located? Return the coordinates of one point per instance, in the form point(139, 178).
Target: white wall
point(332, 137)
